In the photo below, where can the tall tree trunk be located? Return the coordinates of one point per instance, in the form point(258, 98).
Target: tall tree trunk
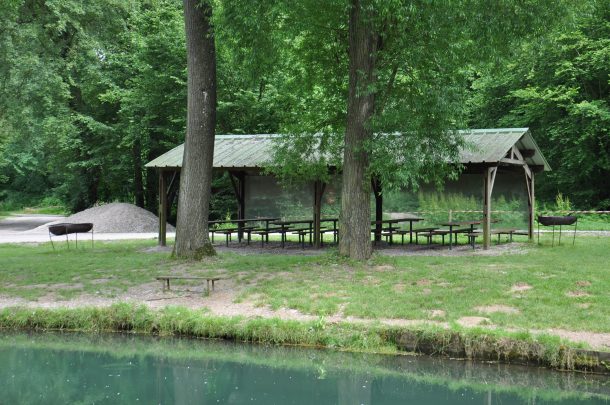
point(138, 183)
point(152, 184)
point(192, 238)
point(355, 218)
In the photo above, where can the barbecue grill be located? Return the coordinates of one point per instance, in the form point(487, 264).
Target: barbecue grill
point(560, 221)
point(68, 228)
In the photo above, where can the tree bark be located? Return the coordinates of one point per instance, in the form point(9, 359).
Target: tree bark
point(355, 217)
point(138, 181)
point(192, 237)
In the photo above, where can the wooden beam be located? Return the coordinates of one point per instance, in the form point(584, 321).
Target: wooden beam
point(238, 180)
point(318, 192)
point(521, 158)
point(489, 178)
point(531, 205)
point(494, 171)
point(510, 161)
point(377, 192)
point(162, 209)
point(172, 191)
point(527, 153)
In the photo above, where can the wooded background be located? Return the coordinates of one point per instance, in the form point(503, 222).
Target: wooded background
point(91, 91)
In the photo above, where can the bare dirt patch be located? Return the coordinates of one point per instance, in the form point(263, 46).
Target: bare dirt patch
point(158, 249)
point(399, 288)
point(583, 283)
point(577, 294)
point(423, 282)
point(383, 268)
point(492, 309)
point(583, 305)
point(596, 340)
point(437, 313)
point(458, 250)
point(520, 287)
point(370, 280)
point(470, 321)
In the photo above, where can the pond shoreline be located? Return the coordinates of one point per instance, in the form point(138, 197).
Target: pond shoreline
point(461, 343)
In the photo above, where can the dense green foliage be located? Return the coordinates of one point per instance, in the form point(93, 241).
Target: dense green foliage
point(94, 90)
point(560, 88)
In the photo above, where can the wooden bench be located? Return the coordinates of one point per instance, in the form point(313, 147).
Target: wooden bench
point(472, 238)
point(227, 232)
point(429, 234)
point(473, 235)
point(264, 233)
point(439, 232)
point(510, 232)
point(335, 232)
point(421, 231)
point(301, 233)
point(165, 280)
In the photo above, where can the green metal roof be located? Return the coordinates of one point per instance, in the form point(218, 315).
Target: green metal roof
point(254, 151)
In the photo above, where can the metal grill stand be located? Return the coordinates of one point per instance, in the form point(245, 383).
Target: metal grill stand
point(567, 220)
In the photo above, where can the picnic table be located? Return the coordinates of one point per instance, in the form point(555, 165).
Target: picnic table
point(392, 229)
point(452, 224)
point(285, 226)
point(241, 225)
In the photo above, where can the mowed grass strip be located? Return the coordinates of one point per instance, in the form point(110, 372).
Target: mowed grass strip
point(31, 271)
point(542, 287)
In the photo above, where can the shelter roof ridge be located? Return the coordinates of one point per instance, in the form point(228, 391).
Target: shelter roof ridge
point(255, 150)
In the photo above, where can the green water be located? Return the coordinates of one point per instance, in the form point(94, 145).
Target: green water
point(70, 368)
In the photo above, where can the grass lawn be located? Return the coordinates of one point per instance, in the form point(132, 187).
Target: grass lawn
point(562, 287)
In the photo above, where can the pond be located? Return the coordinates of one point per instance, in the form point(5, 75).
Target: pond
point(55, 368)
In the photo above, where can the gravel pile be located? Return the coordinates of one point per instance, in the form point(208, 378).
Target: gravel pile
point(116, 218)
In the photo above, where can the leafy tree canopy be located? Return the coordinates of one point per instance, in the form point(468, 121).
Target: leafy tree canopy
point(560, 87)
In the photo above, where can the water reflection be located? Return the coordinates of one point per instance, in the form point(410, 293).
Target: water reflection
point(68, 368)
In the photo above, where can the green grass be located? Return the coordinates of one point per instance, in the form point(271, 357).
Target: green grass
point(405, 287)
point(33, 271)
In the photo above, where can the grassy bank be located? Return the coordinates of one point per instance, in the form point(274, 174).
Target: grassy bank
point(536, 287)
point(175, 321)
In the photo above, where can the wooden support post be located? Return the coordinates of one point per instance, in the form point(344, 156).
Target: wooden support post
point(488, 183)
point(238, 180)
point(172, 191)
point(531, 204)
point(162, 209)
point(376, 185)
point(318, 192)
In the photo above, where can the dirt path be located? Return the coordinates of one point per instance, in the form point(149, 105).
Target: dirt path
point(25, 222)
